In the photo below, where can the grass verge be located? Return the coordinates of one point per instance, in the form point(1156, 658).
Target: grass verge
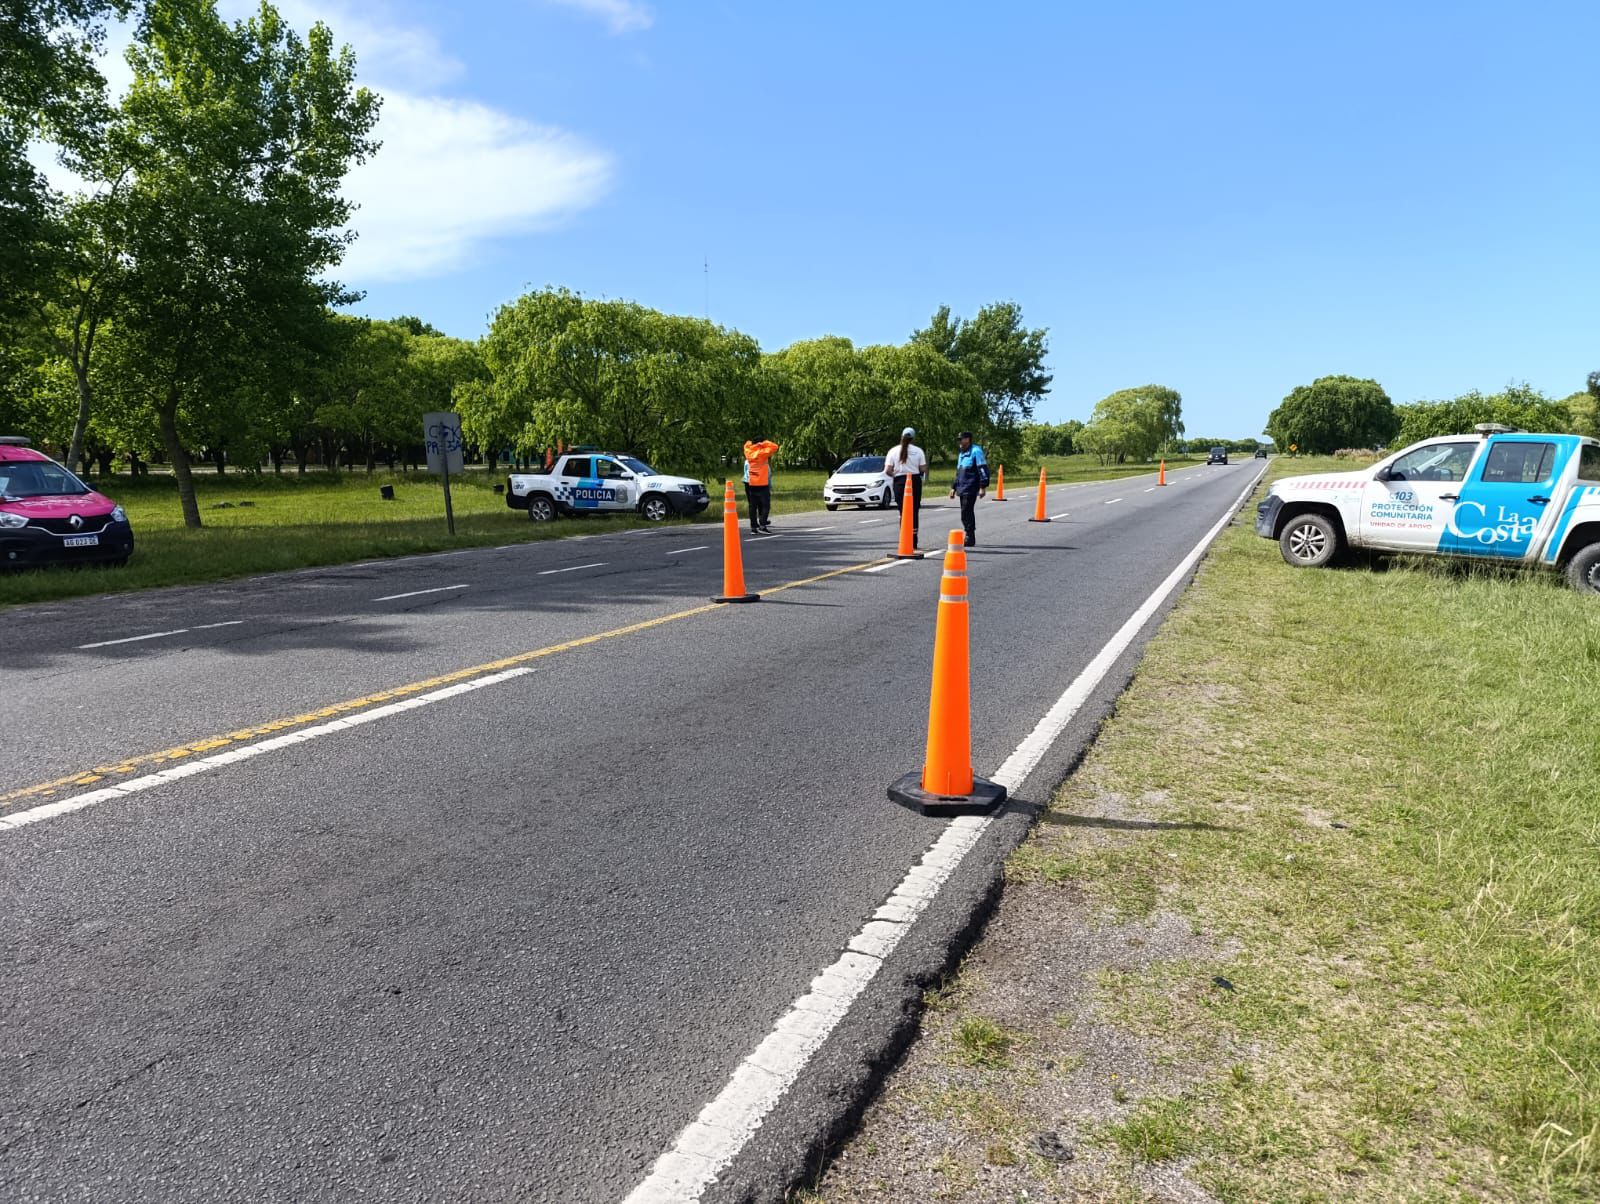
point(1327, 884)
point(266, 523)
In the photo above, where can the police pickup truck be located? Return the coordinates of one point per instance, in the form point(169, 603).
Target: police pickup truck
point(1502, 495)
point(603, 483)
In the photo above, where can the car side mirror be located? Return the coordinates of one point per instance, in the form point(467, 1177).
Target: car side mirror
point(1383, 474)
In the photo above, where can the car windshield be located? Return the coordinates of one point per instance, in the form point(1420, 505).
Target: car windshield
point(638, 466)
point(863, 464)
point(1217, 451)
point(38, 478)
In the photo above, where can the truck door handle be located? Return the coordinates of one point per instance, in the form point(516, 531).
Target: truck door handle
point(1449, 497)
point(1540, 501)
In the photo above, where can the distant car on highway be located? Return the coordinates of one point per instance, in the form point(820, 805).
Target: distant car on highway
point(859, 482)
point(604, 483)
point(49, 516)
point(1219, 455)
point(1261, 453)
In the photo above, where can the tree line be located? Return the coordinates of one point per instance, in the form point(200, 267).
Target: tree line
point(1337, 412)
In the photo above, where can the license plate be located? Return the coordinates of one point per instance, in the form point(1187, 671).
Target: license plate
point(81, 541)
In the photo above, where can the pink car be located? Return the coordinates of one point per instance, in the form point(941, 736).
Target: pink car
point(48, 516)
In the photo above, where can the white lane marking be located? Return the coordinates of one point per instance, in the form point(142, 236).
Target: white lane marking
point(417, 593)
point(574, 568)
point(1063, 514)
point(157, 635)
point(699, 547)
point(203, 764)
point(864, 521)
point(880, 567)
point(1152, 489)
point(760, 538)
point(813, 530)
point(1112, 501)
point(714, 1138)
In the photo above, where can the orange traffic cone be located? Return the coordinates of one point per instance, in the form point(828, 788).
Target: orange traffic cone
point(945, 784)
point(1162, 479)
point(732, 559)
point(1000, 484)
point(908, 523)
point(1038, 507)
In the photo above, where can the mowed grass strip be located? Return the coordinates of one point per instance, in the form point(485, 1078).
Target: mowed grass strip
point(267, 523)
point(1317, 918)
point(1397, 766)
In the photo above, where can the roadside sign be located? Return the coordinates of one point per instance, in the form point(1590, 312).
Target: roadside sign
point(1294, 447)
point(441, 436)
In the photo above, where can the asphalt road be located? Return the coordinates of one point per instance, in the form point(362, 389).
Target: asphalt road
point(503, 944)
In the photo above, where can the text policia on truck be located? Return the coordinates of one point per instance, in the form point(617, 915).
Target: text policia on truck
point(590, 482)
point(1511, 496)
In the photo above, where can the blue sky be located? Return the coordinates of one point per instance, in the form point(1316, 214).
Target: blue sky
point(1228, 198)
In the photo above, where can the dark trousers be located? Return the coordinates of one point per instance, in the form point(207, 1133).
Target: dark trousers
point(916, 501)
point(758, 500)
point(969, 515)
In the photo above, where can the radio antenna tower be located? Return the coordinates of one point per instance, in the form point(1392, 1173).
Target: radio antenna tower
point(708, 288)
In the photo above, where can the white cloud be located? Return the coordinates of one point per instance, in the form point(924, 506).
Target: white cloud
point(451, 175)
point(620, 16)
point(454, 174)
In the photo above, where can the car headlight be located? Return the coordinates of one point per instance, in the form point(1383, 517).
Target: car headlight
point(118, 514)
point(881, 481)
point(691, 488)
point(10, 522)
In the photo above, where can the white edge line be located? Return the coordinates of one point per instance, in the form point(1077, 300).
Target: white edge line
point(878, 568)
point(573, 568)
point(417, 593)
point(699, 547)
point(1112, 501)
point(709, 1144)
point(1063, 514)
point(202, 764)
point(134, 639)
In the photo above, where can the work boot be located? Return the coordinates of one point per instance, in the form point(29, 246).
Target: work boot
point(972, 541)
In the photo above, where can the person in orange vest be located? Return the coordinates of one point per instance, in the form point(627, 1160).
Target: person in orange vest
point(758, 482)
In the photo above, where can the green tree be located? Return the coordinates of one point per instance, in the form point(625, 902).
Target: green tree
point(1133, 424)
point(1518, 405)
point(1001, 353)
point(1334, 412)
point(566, 369)
point(49, 88)
point(238, 137)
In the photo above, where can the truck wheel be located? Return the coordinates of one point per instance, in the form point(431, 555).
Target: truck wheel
point(655, 508)
point(541, 509)
point(1309, 541)
point(1583, 570)
point(886, 501)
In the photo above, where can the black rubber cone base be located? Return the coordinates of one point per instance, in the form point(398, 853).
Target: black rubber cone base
point(739, 598)
point(985, 796)
point(908, 556)
point(1038, 520)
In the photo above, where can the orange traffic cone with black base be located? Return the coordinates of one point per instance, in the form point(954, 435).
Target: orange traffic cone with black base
point(732, 557)
point(908, 524)
point(1162, 480)
point(945, 785)
point(1000, 484)
point(1038, 507)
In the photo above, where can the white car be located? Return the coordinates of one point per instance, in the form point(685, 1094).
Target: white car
point(859, 482)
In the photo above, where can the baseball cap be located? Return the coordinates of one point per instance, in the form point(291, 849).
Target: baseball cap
point(908, 431)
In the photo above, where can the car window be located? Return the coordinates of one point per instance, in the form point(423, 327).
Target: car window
point(1589, 463)
point(38, 478)
point(1436, 462)
point(608, 470)
point(576, 466)
point(863, 464)
point(1519, 463)
point(638, 466)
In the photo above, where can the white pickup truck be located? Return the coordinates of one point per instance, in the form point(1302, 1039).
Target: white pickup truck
point(603, 483)
point(1500, 494)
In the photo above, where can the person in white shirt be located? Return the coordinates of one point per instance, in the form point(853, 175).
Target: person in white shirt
point(906, 461)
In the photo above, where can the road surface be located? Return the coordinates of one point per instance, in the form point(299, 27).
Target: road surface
point(540, 848)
